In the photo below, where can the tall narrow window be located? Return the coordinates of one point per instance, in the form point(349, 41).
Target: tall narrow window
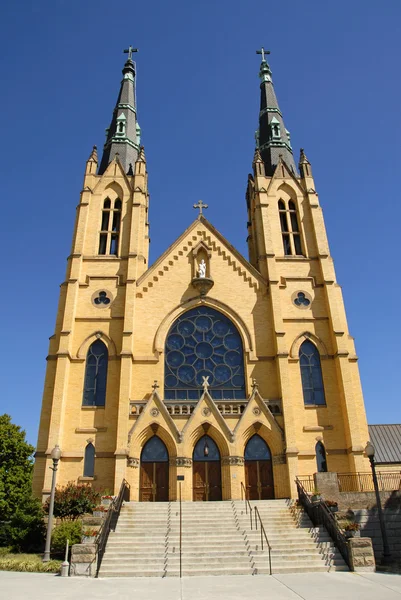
point(89, 461)
point(95, 375)
point(289, 228)
point(311, 374)
point(110, 228)
point(321, 458)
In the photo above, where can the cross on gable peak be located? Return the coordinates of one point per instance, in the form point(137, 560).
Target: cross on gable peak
point(201, 205)
point(205, 383)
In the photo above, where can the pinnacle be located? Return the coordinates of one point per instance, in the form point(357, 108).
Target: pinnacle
point(141, 156)
point(257, 157)
point(302, 158)
point(93, 155)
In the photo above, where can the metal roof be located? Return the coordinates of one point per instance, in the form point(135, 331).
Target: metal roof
point(387, 442)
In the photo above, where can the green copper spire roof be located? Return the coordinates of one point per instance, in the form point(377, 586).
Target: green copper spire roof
point(273, 139)
point(122, 134)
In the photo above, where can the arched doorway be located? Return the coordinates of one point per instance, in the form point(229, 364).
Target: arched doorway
point(206, 470)
point(258, 470)
point(153, 486)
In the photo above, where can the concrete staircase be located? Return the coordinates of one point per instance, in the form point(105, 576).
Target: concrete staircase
point(296, 546)
point(216, 540)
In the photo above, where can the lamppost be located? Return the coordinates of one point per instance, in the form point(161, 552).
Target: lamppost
point(370, 452)
point(55, 455)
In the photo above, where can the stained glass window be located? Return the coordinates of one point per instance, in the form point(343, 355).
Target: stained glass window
point(311, 374)
point(89, 461)
point(96, 375)
point(203, 343)
point(257, 449)
point(154, 451)
point(206, 449)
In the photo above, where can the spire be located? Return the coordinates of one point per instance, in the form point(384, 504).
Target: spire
point(123, 135)
point(273, 138)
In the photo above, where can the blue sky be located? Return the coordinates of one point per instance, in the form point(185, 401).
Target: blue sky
point(336, 73)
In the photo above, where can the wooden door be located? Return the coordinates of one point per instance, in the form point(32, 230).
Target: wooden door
point(206, 481)
point(199, 481)
point(146, 482)
point(213, 470)
point(259, 479)
point(154, 482)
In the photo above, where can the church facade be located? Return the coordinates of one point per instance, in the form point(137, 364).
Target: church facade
point(224, 373)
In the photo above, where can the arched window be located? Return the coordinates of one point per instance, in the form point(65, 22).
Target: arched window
point(203, 343)
point(321, 458)
point(206, 450)
point(110, 228)
point(289, 228)
point(311, 374)
point(154, 451)
point(96, 375)
point(89, 461)
point(257, 449)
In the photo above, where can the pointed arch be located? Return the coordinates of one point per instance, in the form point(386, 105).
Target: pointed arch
point(111, 347)
point(307, 335)
point(321, 459)
point(227, 311)
point(209, 429)
point(116, 187)
point(89, 461)
point(95, 381)
point(273, 441)
point(311, 374)
point(138, 441)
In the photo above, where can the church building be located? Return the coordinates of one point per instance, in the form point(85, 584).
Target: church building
point(222, 372)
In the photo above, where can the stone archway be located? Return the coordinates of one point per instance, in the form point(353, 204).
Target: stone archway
point(206, 471)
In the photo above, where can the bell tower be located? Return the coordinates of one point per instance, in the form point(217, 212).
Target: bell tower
point(288, 245)
point(110, 251)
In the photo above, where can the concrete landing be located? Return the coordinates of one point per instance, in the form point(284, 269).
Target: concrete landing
point(306, 586)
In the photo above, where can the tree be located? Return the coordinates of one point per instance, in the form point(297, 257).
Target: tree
point(21, 516)
point(16, 463)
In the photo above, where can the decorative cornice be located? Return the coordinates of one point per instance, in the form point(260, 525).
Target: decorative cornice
point(181, 461)
point(133, 462)
point(232, 460)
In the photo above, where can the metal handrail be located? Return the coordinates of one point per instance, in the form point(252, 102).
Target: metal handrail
point(110, 522)
point(320, 514)
point(247, 503)
point(263, 534)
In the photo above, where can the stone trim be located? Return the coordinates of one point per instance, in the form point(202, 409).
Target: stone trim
point(181, 461)
point(232, 461)
point(133, 462)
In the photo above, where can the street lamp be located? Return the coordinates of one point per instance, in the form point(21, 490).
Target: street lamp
point(370, 452)
point(55, 455)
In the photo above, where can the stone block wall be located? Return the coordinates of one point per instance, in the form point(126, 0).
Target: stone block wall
point(83, 560)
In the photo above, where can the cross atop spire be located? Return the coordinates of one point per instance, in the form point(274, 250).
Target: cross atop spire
point(129, 51)
point(262, 51)
point(200, 205)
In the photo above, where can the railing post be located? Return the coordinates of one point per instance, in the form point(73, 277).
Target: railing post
point(180, 532)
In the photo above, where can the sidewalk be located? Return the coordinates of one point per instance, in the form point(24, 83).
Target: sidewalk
point(306, 586)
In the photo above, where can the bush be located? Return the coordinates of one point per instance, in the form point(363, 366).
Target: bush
point(69, 530)
point(30, 563)
point(73, 501)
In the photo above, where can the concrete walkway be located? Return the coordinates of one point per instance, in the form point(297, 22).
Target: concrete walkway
point(305, 586)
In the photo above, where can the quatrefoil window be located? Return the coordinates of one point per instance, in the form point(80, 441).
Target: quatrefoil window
point(301, 300)
point(102, 299)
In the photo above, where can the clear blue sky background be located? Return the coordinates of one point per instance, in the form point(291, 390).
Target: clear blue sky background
point(336, 69)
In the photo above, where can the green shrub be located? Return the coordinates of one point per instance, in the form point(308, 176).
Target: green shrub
point(73, 501)
point(69, 530)
point(30, 563)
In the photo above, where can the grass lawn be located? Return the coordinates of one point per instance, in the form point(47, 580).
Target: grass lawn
point(29, 563)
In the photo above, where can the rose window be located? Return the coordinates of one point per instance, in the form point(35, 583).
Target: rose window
point(204, 343)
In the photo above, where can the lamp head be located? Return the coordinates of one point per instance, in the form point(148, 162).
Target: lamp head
point(56, 452)
point(370, 450)
point(206, 449)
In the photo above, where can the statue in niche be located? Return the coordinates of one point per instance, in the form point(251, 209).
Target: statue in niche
point(202, 268)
